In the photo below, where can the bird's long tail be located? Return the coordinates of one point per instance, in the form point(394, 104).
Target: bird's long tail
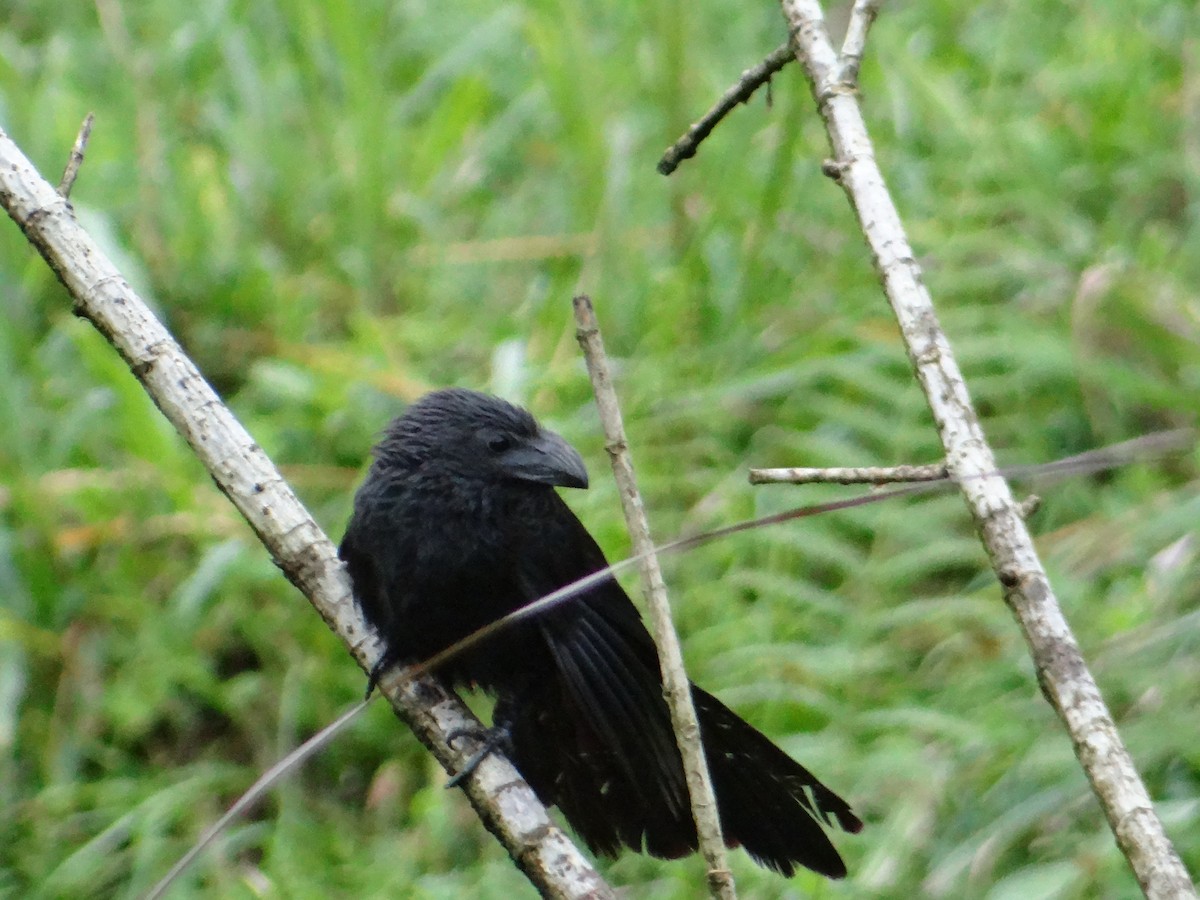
point(596, 741)
point(769, 803)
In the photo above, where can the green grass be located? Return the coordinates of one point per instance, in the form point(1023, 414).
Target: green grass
point(337, 206)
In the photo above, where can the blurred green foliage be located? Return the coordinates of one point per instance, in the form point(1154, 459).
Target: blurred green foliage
point(337, 206)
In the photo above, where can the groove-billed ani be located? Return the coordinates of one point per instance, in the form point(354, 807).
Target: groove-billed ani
point(457, 524)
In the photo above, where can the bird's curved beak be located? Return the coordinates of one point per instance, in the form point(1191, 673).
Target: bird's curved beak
point(547, 459)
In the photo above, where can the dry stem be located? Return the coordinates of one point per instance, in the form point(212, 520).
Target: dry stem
point(676, 687)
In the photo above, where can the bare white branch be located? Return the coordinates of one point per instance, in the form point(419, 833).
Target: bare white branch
point(506, 804)
point(1062, 672)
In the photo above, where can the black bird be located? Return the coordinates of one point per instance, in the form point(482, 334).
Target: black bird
point(457, 524)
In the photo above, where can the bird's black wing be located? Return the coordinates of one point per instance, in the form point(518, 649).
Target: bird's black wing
point(620, 778)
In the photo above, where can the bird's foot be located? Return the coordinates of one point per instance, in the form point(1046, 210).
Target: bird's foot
point(377, 672)
point(496, 738)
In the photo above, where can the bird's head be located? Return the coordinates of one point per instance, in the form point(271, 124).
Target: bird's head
point(477, 435)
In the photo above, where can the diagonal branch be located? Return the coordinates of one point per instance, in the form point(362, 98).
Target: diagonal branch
point(1062, 673)
point(242, 471)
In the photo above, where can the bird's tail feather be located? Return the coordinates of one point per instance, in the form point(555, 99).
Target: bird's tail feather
point(769, 803)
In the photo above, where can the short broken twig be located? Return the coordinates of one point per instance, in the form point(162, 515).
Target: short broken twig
point(71, 172)
point(751, 80)
point(1029, 506)
point(862, 16)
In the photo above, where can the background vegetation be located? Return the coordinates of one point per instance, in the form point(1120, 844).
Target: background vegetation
point(338, 205)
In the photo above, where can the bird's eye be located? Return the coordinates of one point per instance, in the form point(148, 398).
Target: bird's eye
point(498, 443)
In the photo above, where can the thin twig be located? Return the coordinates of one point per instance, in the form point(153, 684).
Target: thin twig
point(849, 475)
point(862, 16)
point(1062, 671)
point(506, 804)
point(76, 160)
point(676, 687)
point(1138, 449)
point(751, 80)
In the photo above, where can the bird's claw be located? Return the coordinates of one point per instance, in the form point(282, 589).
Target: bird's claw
point(492, 739)
point(377, 672)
